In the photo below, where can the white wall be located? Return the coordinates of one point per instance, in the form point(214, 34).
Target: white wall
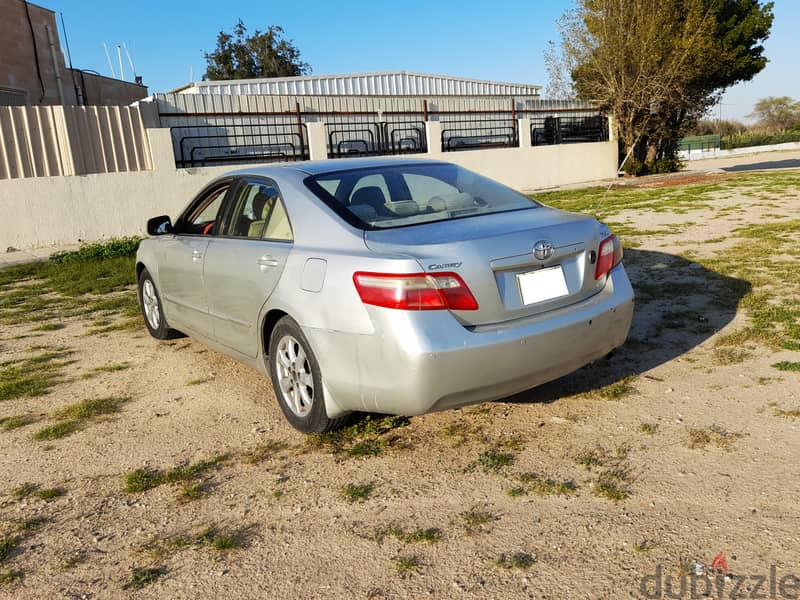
point(43, 211)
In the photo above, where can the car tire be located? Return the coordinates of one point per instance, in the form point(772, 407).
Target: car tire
point(153, 310)
point(297, 380)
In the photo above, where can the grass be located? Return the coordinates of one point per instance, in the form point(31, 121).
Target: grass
point(212, 536)
point(786, 365)
point(417, 536)
point(90, 409)
point(57, 431)
point(618, 389)
point(49, 327)
point(494, 461)
point(590, 459)
point(648, 428)
point(113, 368)
point(368, 437)
point(31, 489)
point(32, 376)
point(29, 525)
point(8, 546)
point(788, 414)
point(545, 486)
point(198, 381)
point(356, 492)
point(518, 560)
point(15, 422)
point(191, 491)
point(265, 450)
point(9, 577)
point(611, 485)
point(476, 519)
point(141, 480)
point(700, 438)
point(517, 492)
point(141, 577)
point(408, 565)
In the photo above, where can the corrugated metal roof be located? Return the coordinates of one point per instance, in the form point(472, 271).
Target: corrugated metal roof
point(390, 83)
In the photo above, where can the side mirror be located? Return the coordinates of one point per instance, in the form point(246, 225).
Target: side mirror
point(159, 225)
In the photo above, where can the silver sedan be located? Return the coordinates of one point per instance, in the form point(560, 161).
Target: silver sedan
point(384, 285)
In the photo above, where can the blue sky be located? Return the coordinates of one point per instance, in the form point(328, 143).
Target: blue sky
point(502, 40)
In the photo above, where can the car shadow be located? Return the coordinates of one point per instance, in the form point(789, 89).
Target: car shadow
point(679, 305)
point(791, 163)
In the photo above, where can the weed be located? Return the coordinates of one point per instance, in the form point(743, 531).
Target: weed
point(50, 494)
point(518, 560)
point(417, 536)
point(33, 376)
point(648, 428)
point(57, 431)
point(618, 389)
point(610, 485)
point(730, 356)
point(141, 480)
point(516, 492)
point(90, 409)
point(643, 546)
point(590, 458)
point(476, 519)
point(789, 414)
point(25, 490)
point(49, 327)
point(408, 565)
point(354, 492)
point(8, 545)
point(142, 577)
point(9, 577)
point(30, 524)
point(785, 365)
point(494, 461)
point(367, 437)
point(9, 423)
point(713, 435)
point(113, 368)
point(264, 451)
point(546, 486)
point(191, 491)
point(198, 381)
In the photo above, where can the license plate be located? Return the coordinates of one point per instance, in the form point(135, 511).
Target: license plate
point(541, 285)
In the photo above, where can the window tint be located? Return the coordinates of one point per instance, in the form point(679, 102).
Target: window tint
point(202, 217)
point(400, 195)
point(258, 213)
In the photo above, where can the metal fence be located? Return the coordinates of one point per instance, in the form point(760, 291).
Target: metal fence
point(210, 129)
point(549, 129)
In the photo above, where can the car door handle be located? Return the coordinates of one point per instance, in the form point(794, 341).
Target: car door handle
point(267, 261)
point(196, 255)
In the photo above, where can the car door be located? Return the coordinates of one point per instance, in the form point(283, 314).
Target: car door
point(181, 261)
point(244, 263)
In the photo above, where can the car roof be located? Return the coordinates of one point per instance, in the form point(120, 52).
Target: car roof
point(319, 167)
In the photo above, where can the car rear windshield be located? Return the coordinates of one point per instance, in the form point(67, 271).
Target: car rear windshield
point(400, 195)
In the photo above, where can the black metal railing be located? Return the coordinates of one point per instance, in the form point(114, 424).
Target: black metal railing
point(200, 145)
point(551, 129)
point(374, 138)
point(487, 131)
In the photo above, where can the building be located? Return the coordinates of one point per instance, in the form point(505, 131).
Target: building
point(33, 70)
point(385, 83)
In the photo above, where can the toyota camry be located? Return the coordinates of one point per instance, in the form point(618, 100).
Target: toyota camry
point(384, 285)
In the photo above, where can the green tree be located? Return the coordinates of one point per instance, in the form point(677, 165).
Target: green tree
point(262, 54)
point(777, 113)
point(658, 65)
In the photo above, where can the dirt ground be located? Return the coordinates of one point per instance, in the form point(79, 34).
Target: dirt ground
point(647, 464)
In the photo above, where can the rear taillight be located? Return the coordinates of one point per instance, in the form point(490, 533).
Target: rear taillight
point(417, 291)
point(609, 255)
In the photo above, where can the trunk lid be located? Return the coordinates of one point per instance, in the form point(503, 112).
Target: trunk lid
point(494, 255)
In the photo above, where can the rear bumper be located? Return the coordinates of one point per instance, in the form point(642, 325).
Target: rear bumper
point(417, 362)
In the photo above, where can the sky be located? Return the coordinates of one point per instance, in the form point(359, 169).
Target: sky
point(502, 40)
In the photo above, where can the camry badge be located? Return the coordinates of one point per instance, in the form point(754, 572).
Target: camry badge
point(543, 249)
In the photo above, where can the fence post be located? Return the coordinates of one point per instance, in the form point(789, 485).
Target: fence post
point(524, 129)
point(317, 140)
point(433, 136)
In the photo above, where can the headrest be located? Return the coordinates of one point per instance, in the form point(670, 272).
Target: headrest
point(371, 195)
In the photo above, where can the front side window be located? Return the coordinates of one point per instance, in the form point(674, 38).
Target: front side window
point(400, 195)
point(258, 213)
point(201, 218)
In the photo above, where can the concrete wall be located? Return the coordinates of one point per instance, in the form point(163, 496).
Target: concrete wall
point(42, 211)
point(98, 90)
point(17, 59)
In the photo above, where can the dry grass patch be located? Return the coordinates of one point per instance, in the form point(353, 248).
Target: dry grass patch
point(714, 435)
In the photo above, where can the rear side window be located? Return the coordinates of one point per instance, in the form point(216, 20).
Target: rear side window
point(401, 195)
point(258, 213)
